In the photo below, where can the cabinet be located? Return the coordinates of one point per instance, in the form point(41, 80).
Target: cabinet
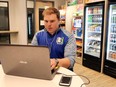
point(62, 21)
point(62, 17)
point(77, 31)
point(5, 36)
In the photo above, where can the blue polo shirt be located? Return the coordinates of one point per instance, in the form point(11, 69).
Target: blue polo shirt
point(61, 44)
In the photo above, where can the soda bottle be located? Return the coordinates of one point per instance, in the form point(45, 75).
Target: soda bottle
point(111, 28)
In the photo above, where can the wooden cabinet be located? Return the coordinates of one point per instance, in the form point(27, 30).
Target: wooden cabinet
point(77, 31)
point(62, 17)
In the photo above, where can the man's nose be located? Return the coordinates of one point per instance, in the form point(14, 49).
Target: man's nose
point(49, 23)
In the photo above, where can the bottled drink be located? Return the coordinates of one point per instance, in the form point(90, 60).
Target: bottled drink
point(101, 18)
point(97, 18)
point(112, 29)
point(100, 10)
point(114, 18)
point(114, 47)
point(110, 46)
point(115, 29)
point(110, 54)
point(115, 56)
point(93, 18)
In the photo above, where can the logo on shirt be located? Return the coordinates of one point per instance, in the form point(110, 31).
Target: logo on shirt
point(60, 40)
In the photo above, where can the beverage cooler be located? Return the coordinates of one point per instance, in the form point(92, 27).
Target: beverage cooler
point(110, 51)
point(93, 35)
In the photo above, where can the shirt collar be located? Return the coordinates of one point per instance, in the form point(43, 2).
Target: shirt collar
point(57, 31)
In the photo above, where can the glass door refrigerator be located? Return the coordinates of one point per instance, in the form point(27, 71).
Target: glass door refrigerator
point(110, 51)
point(93, 35)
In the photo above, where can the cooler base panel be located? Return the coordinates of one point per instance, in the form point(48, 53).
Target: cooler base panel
point(110, 71)
point(95, 65)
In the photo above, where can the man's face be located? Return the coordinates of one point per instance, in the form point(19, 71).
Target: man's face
point(51, 23)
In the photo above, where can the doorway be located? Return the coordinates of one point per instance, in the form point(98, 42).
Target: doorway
point(41, 21)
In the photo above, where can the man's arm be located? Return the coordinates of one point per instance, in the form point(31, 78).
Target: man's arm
point(70, 50)
point(69, 53)
point(64, 62)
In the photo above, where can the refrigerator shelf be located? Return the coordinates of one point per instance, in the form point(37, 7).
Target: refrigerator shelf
point(91, 31)
point(112, 43)
point(78, 37)
point(93, 54)
point(94, 38)
point(94, 23)
point(114, 24)
point(96, 47)
point(111, 59)
point(78, 51)
point(112, 50)
point(95, 14)
point(80, 45)
point(113, 13)
point(113, 33)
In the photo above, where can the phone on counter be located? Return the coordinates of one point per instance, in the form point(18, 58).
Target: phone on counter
point(65, 81)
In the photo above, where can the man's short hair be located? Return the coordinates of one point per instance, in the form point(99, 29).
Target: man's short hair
point(50, 11)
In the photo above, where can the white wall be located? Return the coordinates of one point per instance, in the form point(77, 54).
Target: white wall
point(18, 21)
point(57, 3)
point(30, 4)
point(69, 14)
point(18, 18)
point(3, 4)
point(4, 0)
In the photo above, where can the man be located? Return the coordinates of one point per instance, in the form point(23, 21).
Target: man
point(61, 44)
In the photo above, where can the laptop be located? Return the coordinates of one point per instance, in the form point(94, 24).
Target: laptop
point(26, 61)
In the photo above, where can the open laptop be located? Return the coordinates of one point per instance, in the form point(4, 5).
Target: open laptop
point(26, 61)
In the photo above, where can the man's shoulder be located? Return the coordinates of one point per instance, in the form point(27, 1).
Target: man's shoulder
point(40, 32)
point(67, 33)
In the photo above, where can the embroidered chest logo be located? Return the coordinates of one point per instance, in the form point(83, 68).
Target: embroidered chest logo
point(60, 40)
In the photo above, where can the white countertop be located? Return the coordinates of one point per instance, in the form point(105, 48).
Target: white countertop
point(16, 81)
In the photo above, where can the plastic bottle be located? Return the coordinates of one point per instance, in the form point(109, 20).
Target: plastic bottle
point(110, 54)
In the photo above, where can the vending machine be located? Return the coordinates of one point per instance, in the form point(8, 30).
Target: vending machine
point(93, 35)
point(110, 47)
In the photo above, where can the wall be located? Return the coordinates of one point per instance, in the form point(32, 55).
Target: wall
point(57, 3)
point(4, 0)
point(30, 4)
point(69, 14)
point(3, 4)
point(18, 21)
point(39, 5)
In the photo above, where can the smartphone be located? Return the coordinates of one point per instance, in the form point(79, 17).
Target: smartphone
point(65, 81)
